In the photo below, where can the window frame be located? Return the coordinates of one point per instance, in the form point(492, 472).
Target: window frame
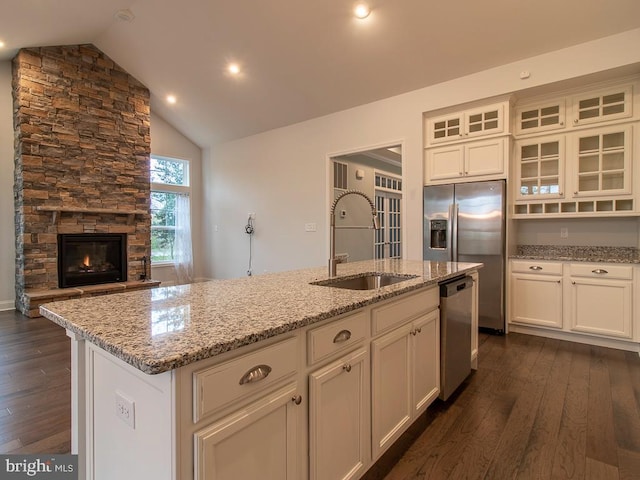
point(160, 187)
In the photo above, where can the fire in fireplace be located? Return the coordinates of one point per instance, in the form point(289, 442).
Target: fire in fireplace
point(91, 258)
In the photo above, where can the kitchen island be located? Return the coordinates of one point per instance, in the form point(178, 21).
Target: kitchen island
point(229, 377)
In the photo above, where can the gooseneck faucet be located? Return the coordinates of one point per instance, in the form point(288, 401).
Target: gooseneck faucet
point(333, 261)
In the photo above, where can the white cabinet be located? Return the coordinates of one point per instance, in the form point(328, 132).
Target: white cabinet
point(601, 299)
point(338, 411)
point(536, 293)
point(257, 441)
point(405, 377)
point(482, 158)
point(549, 115)
point(540, 168)
point(587, 302)
point(602, 105)
point(486, 120)
point(602, 161)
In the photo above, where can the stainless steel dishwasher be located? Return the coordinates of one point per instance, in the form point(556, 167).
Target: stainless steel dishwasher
point(455, 334)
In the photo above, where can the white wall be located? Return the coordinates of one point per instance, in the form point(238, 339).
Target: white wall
point(166, 141)
point(282, 174)
point(7, 229)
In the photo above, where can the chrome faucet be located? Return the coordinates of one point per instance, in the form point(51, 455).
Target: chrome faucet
point(333, 261)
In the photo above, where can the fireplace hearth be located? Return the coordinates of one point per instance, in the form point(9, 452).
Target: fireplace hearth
point(91, 259)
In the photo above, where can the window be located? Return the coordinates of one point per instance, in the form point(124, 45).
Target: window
point(169, 189)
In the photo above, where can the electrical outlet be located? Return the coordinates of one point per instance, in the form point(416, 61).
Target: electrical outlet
point(125, 410)
point(310, 227)
point(564, 232)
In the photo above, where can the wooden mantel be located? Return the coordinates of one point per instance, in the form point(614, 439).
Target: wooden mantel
point(118, 211)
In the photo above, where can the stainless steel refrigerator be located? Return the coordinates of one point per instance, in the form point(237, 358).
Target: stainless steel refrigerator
point(465, 222)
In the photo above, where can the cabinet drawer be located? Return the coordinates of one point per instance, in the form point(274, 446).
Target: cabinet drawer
point(220, 385)
point(594, 270)
point(398, 312)
point(535, 267)
point(329, 339)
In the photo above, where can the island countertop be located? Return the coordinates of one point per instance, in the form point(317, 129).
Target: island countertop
point(165, 328)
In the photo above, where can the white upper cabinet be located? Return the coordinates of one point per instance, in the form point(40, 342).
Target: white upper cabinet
point(603, 161)
point(540, 168)
point(540, 118)
point(602, 106)
point(466, 124)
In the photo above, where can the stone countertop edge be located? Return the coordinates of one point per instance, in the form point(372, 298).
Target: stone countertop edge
point(164, 328)
point(570, 253)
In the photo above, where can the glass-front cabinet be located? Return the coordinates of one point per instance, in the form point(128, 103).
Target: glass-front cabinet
point(540, 168)
point(602, 106)
point(540, 118)
point(462, 125)
point(603, 162)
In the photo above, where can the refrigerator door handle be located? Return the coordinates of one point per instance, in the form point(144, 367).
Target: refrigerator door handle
point(453, 215)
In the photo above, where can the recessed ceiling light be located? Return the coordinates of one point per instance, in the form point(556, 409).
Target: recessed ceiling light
point(171, 99)
point(124, 15)
point(362, 10)
point(233, 68)
point(1, 44)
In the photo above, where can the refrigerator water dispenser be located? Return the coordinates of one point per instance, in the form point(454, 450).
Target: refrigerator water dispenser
point(438, 233)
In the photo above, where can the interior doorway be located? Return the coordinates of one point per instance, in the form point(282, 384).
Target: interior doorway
point(378, 174)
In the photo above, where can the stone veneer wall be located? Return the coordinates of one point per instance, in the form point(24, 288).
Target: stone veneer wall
point(82, 140)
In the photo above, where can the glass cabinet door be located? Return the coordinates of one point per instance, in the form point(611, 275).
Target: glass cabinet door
point(603, 162)
point(538, 118)
point(540, 168)
point(602, 106)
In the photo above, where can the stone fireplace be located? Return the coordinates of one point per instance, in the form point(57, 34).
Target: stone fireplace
point(82, 147)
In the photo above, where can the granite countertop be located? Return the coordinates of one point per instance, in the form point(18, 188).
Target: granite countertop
point(165, 328)
point(578, 253)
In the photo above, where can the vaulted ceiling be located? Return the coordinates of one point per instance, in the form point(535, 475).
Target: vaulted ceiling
point(302, 59)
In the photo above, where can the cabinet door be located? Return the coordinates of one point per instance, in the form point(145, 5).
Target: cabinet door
point(536, 300)
point(445, 162)
point(425, 347)
point(539, 118)
point(484, 157)
point(540, 168)
point(602, 106)
point(337, 418)
point(258, 441)
point(391, 388)
point(603, 162)
point(484, 121)
point(445, 128)
point(601, 307)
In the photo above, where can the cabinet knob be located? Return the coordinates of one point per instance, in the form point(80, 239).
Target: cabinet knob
point(347, 367)
point(575, 120)
point(561, 123)
point(573, 282)
point(419, 330)
point(297, 399)
point(575, 193)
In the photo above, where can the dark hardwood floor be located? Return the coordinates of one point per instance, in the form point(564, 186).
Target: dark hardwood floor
point(35, 386)
point(536, 408)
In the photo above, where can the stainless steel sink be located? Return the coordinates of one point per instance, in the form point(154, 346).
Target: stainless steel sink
point(370, 281)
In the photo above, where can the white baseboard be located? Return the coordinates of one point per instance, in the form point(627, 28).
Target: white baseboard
point(7, 305)
point(628, 345)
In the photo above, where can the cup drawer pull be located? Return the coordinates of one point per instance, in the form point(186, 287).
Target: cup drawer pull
point(535, 268)
point(342, 336)
point(256, 374)
point(599, 271)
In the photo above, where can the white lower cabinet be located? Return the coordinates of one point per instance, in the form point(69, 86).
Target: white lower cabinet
point(405, 377)
point(257, 441)
point(595, 300)
point(536, 296)
point(601, 299)
point(338, 410)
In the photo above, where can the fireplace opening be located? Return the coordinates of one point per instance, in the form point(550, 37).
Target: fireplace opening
point(91, 259)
